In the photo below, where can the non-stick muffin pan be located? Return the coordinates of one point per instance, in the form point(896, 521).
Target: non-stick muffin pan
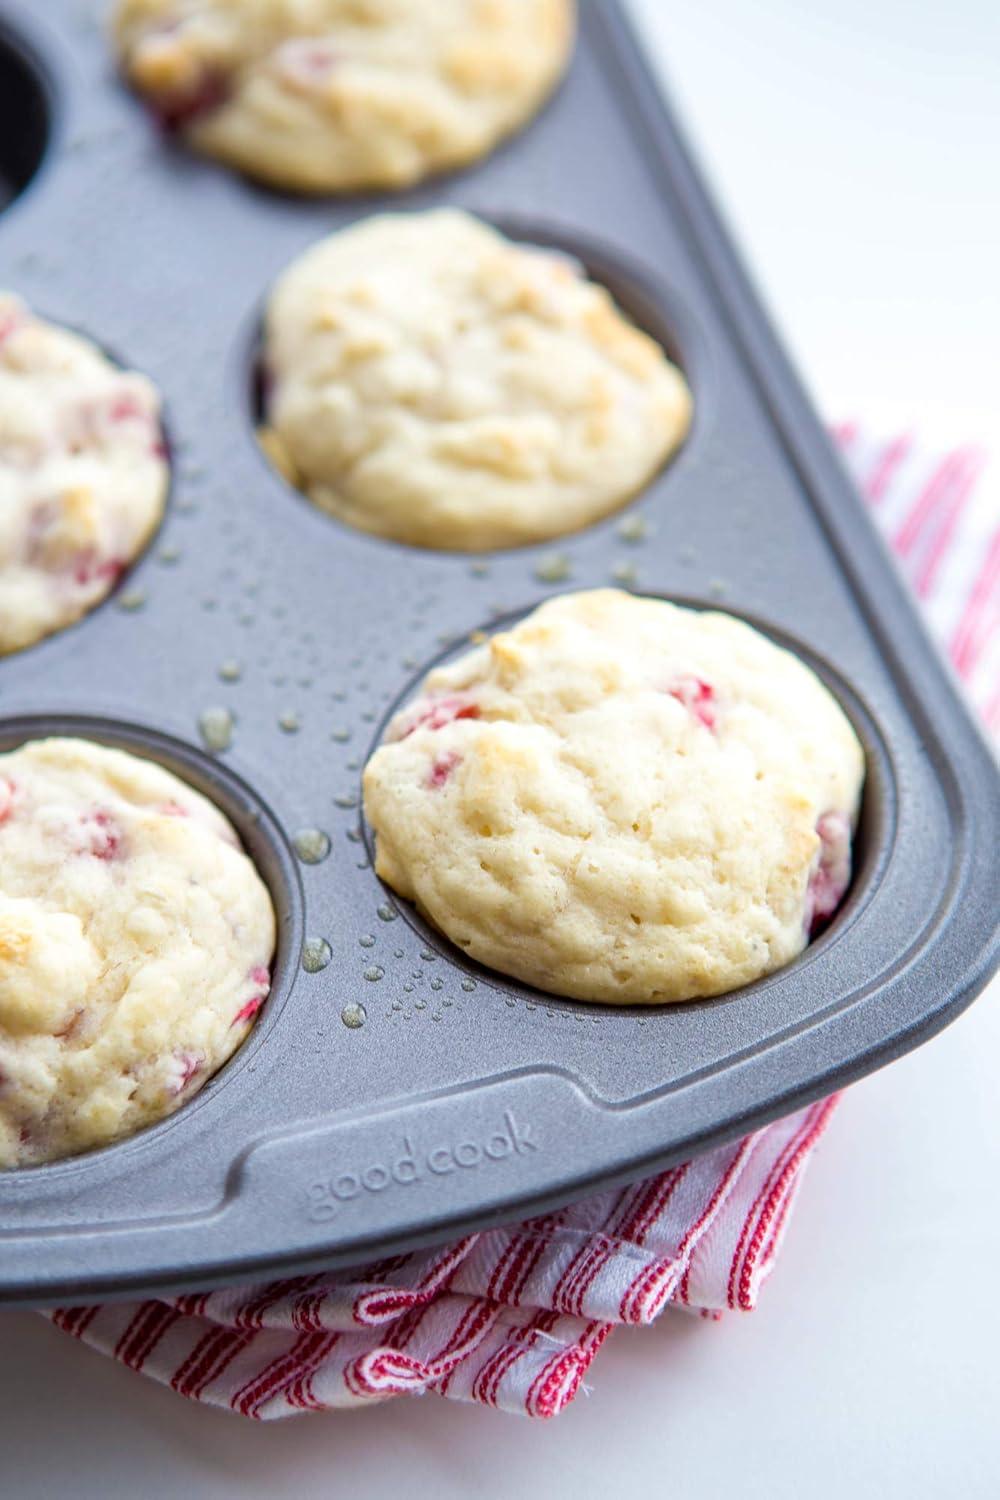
point(392, 1093)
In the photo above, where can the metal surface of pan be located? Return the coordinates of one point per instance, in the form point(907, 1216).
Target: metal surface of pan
point(401, 1095)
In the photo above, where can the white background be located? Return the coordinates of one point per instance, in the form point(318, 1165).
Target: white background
point(856, 148)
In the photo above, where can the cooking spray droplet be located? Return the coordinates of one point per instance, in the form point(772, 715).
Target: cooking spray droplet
point(469, 985)
point(216, 728)
point(409, 988)
point(346, 799)
point(479, 569)
point(341, 736)
point(420, 1005)
point(428, 956)
point(169, 555)
point(510, 1001)
point(354, 1015)
point(366, 940)
point(230, 671)
point(354, 835)
point(374, 974)
point(633, 528)
point(387, 913)
point(312, 845)
point(717, 588)
point(625, 574)
point(132, 599)
point(437, 984)
point(553, 568)
point(316, 954)
point(288, 722)
point(397, 953)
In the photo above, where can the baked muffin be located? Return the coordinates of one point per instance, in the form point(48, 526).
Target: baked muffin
point(621, 800)
point(327, 96)
point(136, 939)
point(430, 381)
point(83, 474)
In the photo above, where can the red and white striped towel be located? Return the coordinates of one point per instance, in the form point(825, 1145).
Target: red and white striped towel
point(513, 1317)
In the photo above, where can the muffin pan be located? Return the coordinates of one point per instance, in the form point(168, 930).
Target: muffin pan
point(392, 1093)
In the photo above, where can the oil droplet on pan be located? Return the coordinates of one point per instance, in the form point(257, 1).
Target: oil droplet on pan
point(312, 845)
point(132, 599)
point(386, 913)
point(553, 568)
point(216, 728)
point(316, 954)
point(633, 528)
point(374, 974)
point(353, 1015)
point(230, 671)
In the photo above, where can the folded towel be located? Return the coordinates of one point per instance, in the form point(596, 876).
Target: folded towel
point(513, 1317)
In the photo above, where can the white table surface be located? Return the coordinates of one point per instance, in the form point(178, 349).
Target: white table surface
point(856, 147)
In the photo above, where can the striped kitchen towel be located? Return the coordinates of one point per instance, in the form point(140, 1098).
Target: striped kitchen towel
point(513, 1317)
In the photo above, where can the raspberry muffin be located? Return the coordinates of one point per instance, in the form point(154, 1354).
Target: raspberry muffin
point(431, 381)
point(136, 939)
point(83, 474)
point(621, 800)
point(326, 96)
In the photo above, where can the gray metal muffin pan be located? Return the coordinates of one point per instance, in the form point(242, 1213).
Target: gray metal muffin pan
point(463, 1099)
